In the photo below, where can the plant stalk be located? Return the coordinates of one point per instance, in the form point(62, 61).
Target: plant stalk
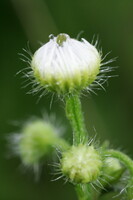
point(84, 192)
point(75, 115)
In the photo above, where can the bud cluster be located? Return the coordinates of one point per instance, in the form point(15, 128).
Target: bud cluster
point(67, 66)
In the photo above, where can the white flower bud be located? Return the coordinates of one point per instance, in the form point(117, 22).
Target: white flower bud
point(64, 64)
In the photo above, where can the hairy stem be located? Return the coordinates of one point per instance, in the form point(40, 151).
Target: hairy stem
point(84, 192)
point(75, 115)
point(129, 165)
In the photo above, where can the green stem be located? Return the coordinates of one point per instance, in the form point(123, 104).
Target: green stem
point(83, 192)
point(75, 115)
point(129, 165)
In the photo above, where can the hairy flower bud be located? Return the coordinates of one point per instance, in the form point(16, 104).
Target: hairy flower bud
point(64, 64)
point(112, 170)
point(81, 164)
point(36, 141)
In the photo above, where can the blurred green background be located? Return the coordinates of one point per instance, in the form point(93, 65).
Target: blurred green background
point(109, 113)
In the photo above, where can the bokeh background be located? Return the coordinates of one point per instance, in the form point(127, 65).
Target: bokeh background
point(109, 113)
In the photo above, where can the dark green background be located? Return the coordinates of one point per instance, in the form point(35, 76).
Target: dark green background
point(110, 112)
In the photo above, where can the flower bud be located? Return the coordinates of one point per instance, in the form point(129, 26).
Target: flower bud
point(65, 64)
point(36, 141)
point(81, 164)
point(112, 170)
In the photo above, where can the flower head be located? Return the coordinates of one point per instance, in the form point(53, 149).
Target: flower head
point(65, 64)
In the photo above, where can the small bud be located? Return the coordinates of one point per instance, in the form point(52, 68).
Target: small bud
point(65, 64)
point(36, 141)
point(112, 170)
point(81, 164)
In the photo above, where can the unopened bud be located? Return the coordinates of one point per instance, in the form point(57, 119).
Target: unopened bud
point(81, 164)
point(65, 64)
point(37, 141)
point(112, 170)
